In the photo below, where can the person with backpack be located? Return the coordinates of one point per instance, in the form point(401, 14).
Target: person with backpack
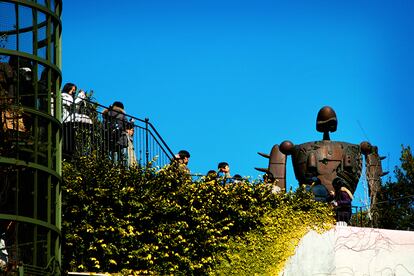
point(115, 122)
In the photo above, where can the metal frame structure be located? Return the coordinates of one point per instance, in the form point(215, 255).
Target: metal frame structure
point(30, 135)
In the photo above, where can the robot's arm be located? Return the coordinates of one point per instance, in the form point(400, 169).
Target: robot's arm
point(373, 168)
point(277, 166)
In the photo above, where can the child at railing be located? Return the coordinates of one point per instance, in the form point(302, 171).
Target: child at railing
point(126, 143)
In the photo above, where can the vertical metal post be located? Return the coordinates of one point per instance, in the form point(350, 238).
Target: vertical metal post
point(146, 142)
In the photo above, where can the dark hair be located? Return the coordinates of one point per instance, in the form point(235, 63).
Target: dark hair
point(118, 104)
point(237, 177)
point(316, 181)
point(68, 86)
point(183, 154)
point(338, 182)
point(222, 165)
point(129, 125)
point(211, 172)
point(22, 61)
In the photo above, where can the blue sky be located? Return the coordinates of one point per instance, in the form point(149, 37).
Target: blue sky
point(226, 79)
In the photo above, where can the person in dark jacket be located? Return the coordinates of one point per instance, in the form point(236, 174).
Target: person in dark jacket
point(115, 122)
point(343, 201)
point(115, 117)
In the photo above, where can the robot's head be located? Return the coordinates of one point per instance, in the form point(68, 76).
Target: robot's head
point(326, 120)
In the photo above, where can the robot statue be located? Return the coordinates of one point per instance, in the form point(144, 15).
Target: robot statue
point(326, 161)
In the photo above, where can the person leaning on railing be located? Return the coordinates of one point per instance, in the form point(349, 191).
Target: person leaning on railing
point(75, 124)
point(73, 108)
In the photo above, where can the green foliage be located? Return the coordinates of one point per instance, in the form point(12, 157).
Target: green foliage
point(147, 221)
point(395, 208)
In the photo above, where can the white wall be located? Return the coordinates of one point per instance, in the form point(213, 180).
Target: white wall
point(353, 251)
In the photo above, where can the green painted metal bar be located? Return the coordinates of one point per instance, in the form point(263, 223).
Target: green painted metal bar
point(21, 163)
point(45, 116)
point(31, 221)
point(49, 140)
point(23, 30)
point(28, 56)
point(36, 6)
point(58, 113)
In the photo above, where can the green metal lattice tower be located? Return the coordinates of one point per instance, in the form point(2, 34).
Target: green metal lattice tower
point(30, 136)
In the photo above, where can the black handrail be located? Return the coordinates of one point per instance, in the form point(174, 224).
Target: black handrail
point(85, 129)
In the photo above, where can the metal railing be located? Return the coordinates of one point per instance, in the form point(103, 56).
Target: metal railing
point(88, 130)
point(359, 217)
point(362, 216)
point(370, 216)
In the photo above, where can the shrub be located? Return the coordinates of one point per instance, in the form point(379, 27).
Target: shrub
point(151, 221)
